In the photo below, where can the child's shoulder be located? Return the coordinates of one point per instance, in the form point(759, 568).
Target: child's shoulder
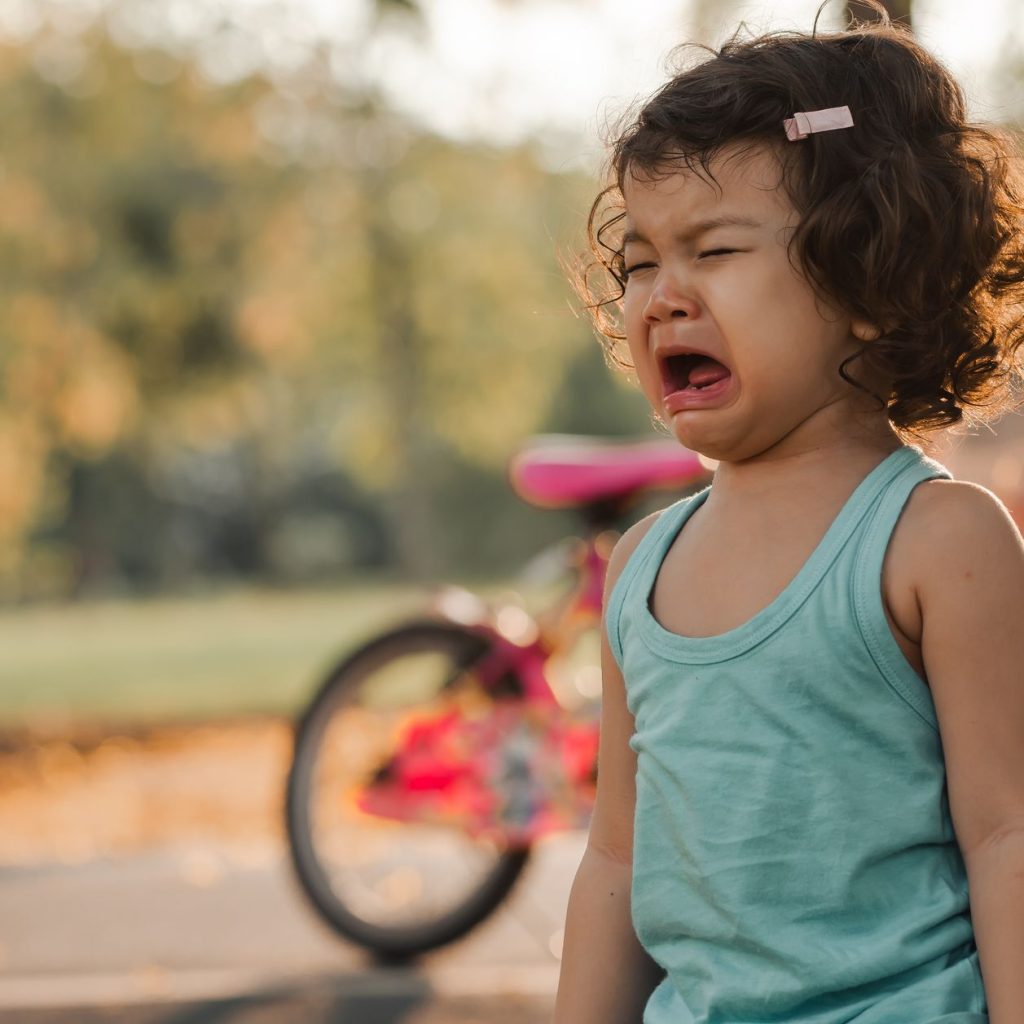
point(627, 544)
point(943, 509)
point(950, 525)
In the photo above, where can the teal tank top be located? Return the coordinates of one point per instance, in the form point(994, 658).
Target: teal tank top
point(794, 858)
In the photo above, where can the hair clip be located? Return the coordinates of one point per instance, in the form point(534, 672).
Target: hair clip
point(804, 122)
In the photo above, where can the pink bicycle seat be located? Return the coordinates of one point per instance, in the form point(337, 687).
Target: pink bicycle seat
point(565, 472)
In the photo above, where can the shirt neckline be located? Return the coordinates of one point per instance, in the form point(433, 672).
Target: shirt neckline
point(763, 623)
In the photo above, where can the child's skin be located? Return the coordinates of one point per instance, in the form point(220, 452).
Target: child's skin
point(793, 440)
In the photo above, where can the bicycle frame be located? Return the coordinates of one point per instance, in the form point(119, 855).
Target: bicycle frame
point(524, 644)
point(528, 743)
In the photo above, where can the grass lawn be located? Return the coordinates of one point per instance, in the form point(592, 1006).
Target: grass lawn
point(225, 654)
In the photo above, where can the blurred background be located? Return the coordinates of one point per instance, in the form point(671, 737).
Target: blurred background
point(281, 289)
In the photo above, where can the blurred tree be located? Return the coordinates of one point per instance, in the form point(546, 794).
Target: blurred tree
point(213, 295)
point(120, 273)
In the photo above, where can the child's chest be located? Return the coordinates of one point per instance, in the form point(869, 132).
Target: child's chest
point(714, 579)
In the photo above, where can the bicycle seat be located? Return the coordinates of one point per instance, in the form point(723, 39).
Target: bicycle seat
point(562, 471)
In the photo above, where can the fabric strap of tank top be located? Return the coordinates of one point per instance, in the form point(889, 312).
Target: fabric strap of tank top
point(868, 607)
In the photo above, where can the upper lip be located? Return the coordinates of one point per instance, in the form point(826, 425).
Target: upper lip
point(662, 352)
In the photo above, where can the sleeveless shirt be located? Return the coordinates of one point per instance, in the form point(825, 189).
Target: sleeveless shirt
point(794, 858)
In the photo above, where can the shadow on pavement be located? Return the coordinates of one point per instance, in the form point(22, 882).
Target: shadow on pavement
point(412, 1002)
point(311, 1004)
point(313, 1007)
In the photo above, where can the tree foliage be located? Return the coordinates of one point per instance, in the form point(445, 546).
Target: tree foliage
point(239, 318)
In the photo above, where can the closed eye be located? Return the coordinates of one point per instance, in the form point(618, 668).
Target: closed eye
point(715, 252)
point(627, 271)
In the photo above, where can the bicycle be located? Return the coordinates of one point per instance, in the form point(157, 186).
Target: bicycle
point(434, 756)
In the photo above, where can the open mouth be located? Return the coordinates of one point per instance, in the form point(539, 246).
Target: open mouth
point(691, 371)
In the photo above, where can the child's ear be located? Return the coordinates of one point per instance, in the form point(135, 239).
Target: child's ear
point(863, 330)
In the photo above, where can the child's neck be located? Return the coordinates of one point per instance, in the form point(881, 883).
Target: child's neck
point(836, 459)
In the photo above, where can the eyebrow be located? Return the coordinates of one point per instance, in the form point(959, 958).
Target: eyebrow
point(693, 230)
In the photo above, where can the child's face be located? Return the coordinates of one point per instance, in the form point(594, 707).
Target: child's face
point(762, 372)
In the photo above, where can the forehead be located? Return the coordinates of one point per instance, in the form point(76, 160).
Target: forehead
point(743, 180)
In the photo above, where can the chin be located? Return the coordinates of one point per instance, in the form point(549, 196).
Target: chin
point(709, 449)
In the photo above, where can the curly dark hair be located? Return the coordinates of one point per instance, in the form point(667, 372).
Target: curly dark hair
point(912, 219)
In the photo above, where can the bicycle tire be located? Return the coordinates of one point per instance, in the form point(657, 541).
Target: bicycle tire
point(385, 941)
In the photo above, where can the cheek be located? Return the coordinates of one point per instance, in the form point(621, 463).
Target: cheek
point(644, 368)
point(638, 347)
point(633, 308)
point(637, 335)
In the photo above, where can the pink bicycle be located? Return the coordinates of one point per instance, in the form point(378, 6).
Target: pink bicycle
point(433, 757)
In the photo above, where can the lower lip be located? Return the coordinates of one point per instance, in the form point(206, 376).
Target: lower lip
point(679, 401)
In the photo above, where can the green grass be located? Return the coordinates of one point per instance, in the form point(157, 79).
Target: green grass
point(240, 652)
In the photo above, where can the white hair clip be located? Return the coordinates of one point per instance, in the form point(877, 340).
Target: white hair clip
point(804, 122)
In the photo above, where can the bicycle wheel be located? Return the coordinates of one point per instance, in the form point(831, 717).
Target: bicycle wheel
point(374, 864)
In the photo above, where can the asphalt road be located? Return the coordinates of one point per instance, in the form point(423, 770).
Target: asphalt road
point(197, 934)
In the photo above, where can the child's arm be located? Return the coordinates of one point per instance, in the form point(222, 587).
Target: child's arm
point(969, 560)
point(606, 976)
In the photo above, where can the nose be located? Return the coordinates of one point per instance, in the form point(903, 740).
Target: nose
point(669, 301)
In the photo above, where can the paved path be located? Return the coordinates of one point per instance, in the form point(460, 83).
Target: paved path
point(196, 934)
